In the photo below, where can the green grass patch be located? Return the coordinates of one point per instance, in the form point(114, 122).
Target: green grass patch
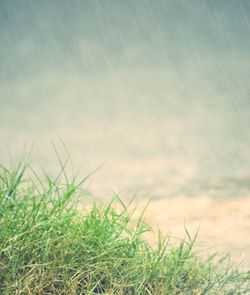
point(48, 247)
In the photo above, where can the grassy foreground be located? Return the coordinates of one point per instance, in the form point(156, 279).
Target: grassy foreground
point(48, 247)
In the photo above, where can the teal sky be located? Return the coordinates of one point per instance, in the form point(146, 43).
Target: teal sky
point(161, 85)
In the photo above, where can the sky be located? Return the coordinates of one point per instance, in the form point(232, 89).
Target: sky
point(157, 90)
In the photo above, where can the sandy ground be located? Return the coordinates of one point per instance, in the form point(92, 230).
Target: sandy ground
point(223, 224)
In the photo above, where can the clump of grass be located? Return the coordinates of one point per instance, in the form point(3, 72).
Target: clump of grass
point(48, 247)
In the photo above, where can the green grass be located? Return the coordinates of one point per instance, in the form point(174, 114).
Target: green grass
point(48, 247)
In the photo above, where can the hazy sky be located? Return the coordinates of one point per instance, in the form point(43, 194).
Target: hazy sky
point(157, 89)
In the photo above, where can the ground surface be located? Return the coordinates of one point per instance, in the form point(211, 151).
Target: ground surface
point(223, 224)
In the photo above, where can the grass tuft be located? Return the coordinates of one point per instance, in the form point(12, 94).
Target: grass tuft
point(48, 247)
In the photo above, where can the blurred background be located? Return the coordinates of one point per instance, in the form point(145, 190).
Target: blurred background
point(157, 90)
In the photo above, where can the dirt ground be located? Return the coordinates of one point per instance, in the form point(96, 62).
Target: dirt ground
point(223, 225)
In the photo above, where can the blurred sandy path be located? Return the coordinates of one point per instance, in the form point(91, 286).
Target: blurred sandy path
point(223, 224)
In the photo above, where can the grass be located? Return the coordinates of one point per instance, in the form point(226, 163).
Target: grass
point(48, 247)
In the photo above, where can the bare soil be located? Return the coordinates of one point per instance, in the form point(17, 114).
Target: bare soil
point(223, 225)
